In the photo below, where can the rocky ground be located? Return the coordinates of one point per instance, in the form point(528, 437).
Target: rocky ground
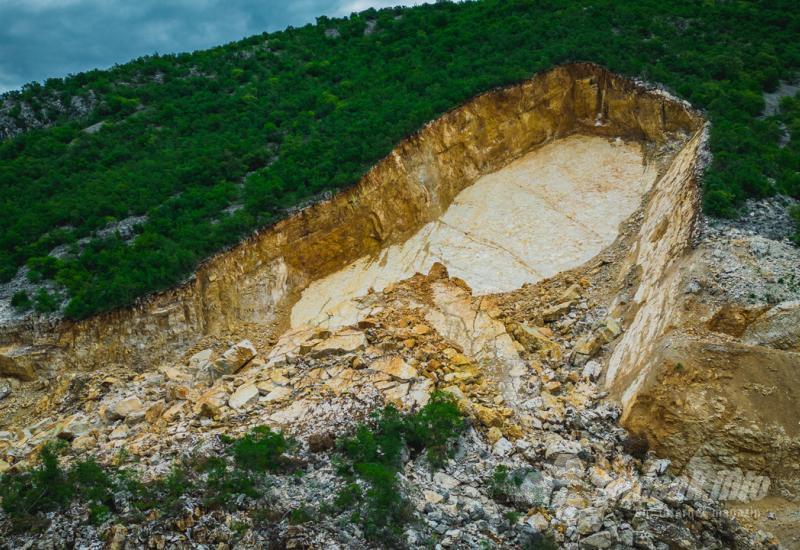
point(753, 258)
point(543, 454)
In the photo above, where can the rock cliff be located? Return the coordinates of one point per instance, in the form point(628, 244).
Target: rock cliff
point(257, 281)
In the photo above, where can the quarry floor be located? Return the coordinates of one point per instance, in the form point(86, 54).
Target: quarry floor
point(551, 210)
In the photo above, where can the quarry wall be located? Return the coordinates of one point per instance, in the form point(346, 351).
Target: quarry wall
point(256, 281)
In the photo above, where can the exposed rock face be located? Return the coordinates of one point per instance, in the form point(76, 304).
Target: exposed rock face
point(258, 280)
point(497, 234)
point(13, 366)
point(777, 328)
point(706, 370)
point(525, 365)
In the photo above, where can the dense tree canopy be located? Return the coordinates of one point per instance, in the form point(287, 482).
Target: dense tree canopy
point(212, 144)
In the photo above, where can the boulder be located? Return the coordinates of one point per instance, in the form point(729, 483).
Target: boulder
point(589, 344)
point(502, 447)
point(341, 343)
point(75, 426)
point(242, 395)
point(420, 330)
point(12, 366)
point(120, 432)
point(432, 497)
point(445, 480)
point(590, 520)
point(201, 358)
point(487, 416)
point(599, 477)
point(538, 522)
point(591, 370)
point(277, 394)
point(570, 294)
point(603, 539)
point(553, 313)
point(155, 411)
point(534, 340)
point(125, 407)
point(777, 328)
point(233, 359)
point(395, 367)
point(534, 490)
point(209, 409)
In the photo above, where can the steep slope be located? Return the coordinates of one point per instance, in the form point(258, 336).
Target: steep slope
point(117, 184)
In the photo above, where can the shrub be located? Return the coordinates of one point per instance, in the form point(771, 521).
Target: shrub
point(44, 302)
point(435, 427)
point(373, 456)
point(299, 516)
point(261, 450)
point(45, 488)
point(222, 485)
point(96, 487)
point(20, 301)
point(171, 489)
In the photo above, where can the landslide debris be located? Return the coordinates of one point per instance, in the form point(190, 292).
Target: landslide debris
point(542, 458)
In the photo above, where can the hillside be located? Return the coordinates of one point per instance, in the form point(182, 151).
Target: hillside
point(517, 331)
point(118, 183)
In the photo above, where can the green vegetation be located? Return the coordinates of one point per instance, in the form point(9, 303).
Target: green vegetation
point(21, 301)
point(369, 461)
point(274, 119)
point(261, 450)
point(48, 487)
point(217, 480)
point(795, 212)
point(374, 455)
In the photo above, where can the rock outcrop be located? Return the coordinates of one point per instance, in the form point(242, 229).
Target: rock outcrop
point(258, 280)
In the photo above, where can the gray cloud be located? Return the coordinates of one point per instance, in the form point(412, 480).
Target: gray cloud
point(40, 39)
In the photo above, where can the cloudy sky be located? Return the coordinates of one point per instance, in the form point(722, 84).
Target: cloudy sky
point(50, 38)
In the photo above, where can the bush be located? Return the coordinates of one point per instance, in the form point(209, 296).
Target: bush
point(95, 487)
point(20, 301)
point(261, 450)
point(45, 488)
point(373, 456)
point(435, 427)
point(369, 460)
point(299, 516)
point(44, 302)
point(222, 484)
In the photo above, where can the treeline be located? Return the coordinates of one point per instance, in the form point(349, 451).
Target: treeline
point(213, 144)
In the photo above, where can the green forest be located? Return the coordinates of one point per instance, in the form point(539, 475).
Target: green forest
point(213, 144)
